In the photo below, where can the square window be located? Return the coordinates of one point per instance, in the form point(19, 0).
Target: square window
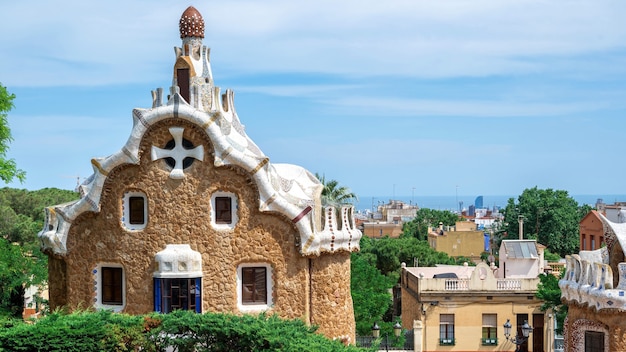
point(223, 210)
point(254, 285)
point(111, 286)
point(134, 210)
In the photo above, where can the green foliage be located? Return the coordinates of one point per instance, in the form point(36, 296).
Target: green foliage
point(425, 219)
point(21, 260)
point(81, 331)
point(8, 168)
point(549, 291)
point(376, 269)
point(332, 193)
point(182, 331)
point(390, 253)
point(551, 257)
point(551, 217)
point(370, 289)
point(20, 266)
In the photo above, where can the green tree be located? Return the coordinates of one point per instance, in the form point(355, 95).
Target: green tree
point(370, 290)
point(390, 253)
point(425, 219)
point(21, 261)
point(551, 217)
point(8, 167)
point(333, 193)
point(549, 291)
point(20, 267)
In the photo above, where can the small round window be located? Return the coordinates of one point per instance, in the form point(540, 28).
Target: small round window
point(187, 145)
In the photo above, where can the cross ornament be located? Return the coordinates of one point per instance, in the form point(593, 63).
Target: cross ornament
point(179, 153)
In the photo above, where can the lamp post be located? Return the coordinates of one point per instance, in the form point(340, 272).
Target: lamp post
point(376, 330)
point(517, 340)
point(397, 329)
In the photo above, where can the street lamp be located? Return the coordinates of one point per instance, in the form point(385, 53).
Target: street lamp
point(397, 329)
point(376, 330)
point(517, 340)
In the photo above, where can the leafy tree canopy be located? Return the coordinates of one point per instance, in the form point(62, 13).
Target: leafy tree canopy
point(551, 217)
point(333, 193)
point(426, 218)
point(370, 292)
point(549, 291)
point(21, 261)
point(8, 167)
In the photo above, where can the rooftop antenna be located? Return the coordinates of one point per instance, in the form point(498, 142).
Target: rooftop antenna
point(77, 177)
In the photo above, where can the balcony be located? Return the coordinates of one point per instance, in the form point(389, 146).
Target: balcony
point(447, 342)
point(458, 285)
point(489, 341)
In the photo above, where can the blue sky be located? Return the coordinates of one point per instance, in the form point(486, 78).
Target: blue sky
point(482, 97)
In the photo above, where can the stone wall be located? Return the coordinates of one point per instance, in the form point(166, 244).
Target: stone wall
point(331, 304)
point(581, 319)
point(179, 213)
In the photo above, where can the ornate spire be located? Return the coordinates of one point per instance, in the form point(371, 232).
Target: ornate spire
point(191, 24)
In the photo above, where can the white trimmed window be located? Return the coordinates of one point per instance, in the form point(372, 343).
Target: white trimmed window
point(135, 210)
point(110, 287)
point(254, 287)
point(490, 330)
point(224, 210)
point(446, 329)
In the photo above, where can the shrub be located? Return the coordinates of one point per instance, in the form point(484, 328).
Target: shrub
point(180, 331)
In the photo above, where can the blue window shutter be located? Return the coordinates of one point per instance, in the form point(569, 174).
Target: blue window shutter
point(157, 295)
point(198, 295)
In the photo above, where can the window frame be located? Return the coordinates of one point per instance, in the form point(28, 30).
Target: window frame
point(592, 341)
point(269, 288)
point(446, 329)
point(234, 207)
point(163, 294)
point(489, 329)
point(127, 211)
point(98, 273)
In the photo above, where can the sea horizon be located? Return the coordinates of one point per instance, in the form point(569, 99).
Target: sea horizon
point(489, 201)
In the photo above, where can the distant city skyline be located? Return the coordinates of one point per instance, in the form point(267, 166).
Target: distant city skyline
point(450, 202)
point(403, 97)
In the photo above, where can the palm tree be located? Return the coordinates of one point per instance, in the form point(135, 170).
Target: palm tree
point(332, 193)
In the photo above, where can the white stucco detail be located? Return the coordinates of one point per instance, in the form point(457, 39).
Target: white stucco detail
point(178, 261)
point(589, 276)
point(179, 153)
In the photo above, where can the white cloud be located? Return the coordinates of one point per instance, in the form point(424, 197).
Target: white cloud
point(124, 41)
point(366, 106)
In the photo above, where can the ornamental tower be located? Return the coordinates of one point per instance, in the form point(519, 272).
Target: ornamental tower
point(192, 77)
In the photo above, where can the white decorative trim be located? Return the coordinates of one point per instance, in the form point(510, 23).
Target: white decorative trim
point(97, 279)
point(179, 153)
point(269, 286)
point(178, 261)
point(234, 211)
point(126, 211)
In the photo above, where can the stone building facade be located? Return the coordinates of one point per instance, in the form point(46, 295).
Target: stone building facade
point(594, 288)
point(190, 214)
